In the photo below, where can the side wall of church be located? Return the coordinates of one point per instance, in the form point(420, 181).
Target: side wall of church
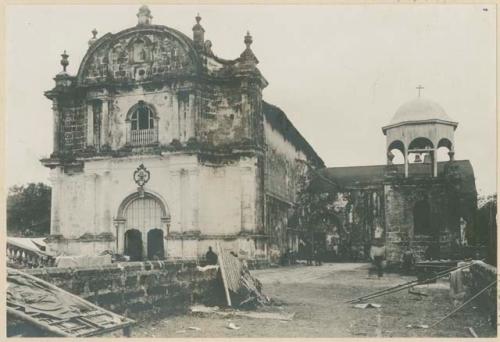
point(282, 173)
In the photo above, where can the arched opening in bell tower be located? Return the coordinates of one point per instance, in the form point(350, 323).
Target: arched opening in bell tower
point(445, 150)
point(395, 152)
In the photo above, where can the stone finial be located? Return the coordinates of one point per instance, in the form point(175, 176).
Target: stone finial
point(64, 60)
point(248, 56)
point(248, 40)
point(94, 37)
point(198, 33)
point(144, 16)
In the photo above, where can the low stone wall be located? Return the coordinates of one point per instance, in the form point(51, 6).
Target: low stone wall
point(139, 289)
point(481, 275)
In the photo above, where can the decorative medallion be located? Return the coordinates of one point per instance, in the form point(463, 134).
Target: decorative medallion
point(141, 175)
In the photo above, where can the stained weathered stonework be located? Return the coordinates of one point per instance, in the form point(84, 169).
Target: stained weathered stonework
point(377, 205)
point(151, 95)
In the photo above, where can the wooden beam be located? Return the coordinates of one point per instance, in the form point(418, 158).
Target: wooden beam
point(223, 273)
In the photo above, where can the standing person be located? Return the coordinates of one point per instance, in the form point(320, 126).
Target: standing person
point(377, 254)
point(408, 261)
point(211, 257)
point(317, 256)
point(309, 253)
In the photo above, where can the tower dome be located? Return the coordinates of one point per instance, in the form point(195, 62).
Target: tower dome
point(420, 127)
point(419, 109)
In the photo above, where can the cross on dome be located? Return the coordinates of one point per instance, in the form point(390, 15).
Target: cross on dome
point(419, 88)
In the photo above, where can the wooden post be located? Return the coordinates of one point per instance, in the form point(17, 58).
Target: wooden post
point(223, 274)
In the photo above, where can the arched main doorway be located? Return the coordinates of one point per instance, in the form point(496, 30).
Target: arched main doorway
point(142, 220)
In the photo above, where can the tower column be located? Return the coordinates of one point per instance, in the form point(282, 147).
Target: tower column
point(434, 163)
point(406, 161)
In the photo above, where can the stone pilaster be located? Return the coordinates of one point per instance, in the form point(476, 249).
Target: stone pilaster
point(57, 125)
point(90, 125)
point(104, 122)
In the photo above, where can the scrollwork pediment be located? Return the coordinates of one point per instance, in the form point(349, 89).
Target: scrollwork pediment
point(138, 57)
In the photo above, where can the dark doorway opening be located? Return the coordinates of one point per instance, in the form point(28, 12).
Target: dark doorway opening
point(422, 218)
point(133, 244)
point(156, 250)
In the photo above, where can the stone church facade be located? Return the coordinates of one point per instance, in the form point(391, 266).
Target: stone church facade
point(161, 148)
point(421, 204)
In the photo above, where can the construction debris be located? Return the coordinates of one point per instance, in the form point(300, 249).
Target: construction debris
point(465, 303)
point(240, 287)
point(368, 306)
point(56, 311)
point(206, 268)
point(416, 293)
point(204, 309)
point(472, 332)
point(418, 326)
point(232, 326)
point(249, 314)
point(407, 285)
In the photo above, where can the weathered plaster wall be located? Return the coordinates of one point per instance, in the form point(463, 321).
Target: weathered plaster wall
point(202, 201)
point(282, 170)
point(210, 165)
point(227, 115)
point(282, 173)
point(216, 115)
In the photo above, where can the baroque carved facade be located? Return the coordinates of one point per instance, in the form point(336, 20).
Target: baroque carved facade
point(162, 148)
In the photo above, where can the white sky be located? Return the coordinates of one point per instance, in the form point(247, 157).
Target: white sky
point(339, 72)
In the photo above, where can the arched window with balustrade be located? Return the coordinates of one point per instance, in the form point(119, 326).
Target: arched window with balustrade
point(143, 125)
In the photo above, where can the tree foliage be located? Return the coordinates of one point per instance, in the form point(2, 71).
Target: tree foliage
point(485, 226)
point(28, 210)
point(485, 220)
point(315, 208)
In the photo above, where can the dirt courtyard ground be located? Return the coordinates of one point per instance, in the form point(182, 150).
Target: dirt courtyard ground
point(317, 295)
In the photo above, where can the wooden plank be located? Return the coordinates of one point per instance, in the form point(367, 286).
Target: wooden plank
point(21, 315)
point(220, 261)
point(85, 323)
point(472, 332)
